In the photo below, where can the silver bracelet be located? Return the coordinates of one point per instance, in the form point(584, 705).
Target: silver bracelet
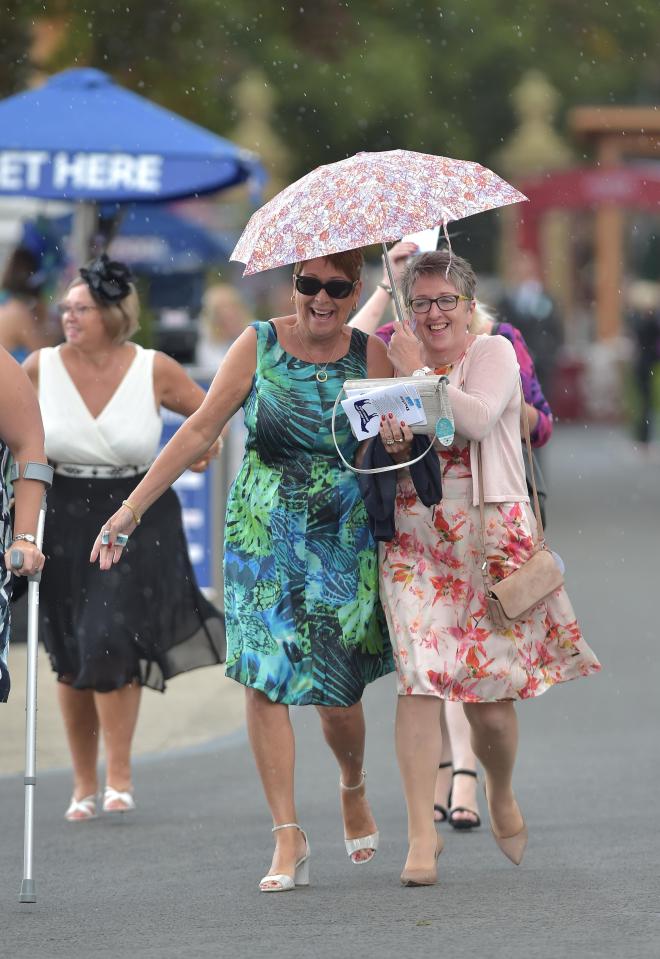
point(424, 371)
point(27, 537)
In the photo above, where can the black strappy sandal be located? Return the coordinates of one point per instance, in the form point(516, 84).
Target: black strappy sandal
point(463, 824)
point(437, 808)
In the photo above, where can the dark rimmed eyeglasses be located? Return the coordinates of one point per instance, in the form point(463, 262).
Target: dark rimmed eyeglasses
point(336, 289)
point(446, 303)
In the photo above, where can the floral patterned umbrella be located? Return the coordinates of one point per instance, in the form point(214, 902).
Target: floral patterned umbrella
point(367, 198)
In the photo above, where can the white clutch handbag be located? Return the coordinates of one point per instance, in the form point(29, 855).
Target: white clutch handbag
point(432, 392)
point(437, 409)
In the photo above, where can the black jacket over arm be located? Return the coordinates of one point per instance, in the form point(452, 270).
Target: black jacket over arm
point(379, 489)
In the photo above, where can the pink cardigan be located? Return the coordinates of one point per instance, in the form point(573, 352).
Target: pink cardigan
point(484, 393)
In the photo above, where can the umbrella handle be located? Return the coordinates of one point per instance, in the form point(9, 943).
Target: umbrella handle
point(395, 292)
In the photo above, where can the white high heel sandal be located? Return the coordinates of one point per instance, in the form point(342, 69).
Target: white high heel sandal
point(282, 882)
point(81, 810)
point(369, 843)
point(112, 795)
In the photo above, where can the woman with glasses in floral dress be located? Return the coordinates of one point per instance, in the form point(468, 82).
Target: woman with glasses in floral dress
point(431, 577)
point(456, 783)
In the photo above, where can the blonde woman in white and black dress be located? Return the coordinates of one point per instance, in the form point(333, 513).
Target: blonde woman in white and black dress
point(107, 636)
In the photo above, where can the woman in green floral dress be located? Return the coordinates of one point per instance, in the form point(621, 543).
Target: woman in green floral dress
point(304, 624)
point(300, 568)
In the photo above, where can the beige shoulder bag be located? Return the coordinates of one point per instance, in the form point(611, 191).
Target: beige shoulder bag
point(512, 597)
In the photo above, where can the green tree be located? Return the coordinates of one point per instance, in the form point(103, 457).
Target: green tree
point(352, 75)
point(14, 42)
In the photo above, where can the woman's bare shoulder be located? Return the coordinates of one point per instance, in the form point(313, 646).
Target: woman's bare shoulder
point(280, 322)
point(31, 365)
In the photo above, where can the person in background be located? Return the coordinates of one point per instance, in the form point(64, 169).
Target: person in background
point(369, 318)
point(21, 440)
point(224, 317)
point(644, 321)
point(108, 636)
point(304, 623)
point(23, 314)
point(456, 784)
point(529, 308)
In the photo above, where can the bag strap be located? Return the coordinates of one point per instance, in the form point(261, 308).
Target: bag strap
point(378, 469)
point(540, 533)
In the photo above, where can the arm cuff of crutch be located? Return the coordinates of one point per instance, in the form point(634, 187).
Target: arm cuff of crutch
point(32, 471)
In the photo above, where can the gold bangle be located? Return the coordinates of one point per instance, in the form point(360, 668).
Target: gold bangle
point(137, 519)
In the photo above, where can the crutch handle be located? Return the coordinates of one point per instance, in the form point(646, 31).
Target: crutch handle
point(16, 558)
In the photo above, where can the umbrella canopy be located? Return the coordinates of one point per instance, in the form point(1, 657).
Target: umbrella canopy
point(153, 239)
point(83, 137)
point(368, 198)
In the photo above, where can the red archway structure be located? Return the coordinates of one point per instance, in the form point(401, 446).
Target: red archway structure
point(633, 187)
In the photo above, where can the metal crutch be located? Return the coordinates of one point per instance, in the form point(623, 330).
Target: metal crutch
point(44, 474)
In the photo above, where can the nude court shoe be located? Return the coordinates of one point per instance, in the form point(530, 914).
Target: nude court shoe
point(423, 877)
point(514, 846)
point(282, 882)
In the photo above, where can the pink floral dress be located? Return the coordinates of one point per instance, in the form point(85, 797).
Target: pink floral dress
point(432, 591)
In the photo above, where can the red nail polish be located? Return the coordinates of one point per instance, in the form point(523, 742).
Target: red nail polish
point(403, 422)
point(382, 419)
point(391, 415)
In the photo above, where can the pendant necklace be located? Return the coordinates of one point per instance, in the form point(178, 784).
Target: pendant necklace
point(322, 368)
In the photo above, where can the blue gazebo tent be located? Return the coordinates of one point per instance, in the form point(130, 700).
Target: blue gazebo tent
point(83, 137)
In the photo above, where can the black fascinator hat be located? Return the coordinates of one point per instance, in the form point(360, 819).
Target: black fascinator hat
point(108, 280)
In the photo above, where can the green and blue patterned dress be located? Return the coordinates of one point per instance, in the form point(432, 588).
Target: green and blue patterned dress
point(303, 618)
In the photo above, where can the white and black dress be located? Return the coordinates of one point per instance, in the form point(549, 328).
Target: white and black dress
point(146, 619)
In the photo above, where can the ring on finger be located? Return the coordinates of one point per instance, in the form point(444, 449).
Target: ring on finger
point(105, 537)
point(120, 540)
point(389, 442)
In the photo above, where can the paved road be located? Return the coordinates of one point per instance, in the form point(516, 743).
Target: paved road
point(180, 878)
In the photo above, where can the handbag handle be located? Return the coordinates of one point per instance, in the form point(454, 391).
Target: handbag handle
point(378, 469)
point(540, 533)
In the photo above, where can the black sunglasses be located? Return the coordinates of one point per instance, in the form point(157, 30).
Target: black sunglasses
point(336, 289)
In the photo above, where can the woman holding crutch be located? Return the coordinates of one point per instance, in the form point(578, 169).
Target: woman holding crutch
point(21, 438)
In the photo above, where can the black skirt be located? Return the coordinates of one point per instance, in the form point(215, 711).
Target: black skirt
point(144, 620)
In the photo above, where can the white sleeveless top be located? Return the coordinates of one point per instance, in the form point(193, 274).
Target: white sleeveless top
point(125, 433)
